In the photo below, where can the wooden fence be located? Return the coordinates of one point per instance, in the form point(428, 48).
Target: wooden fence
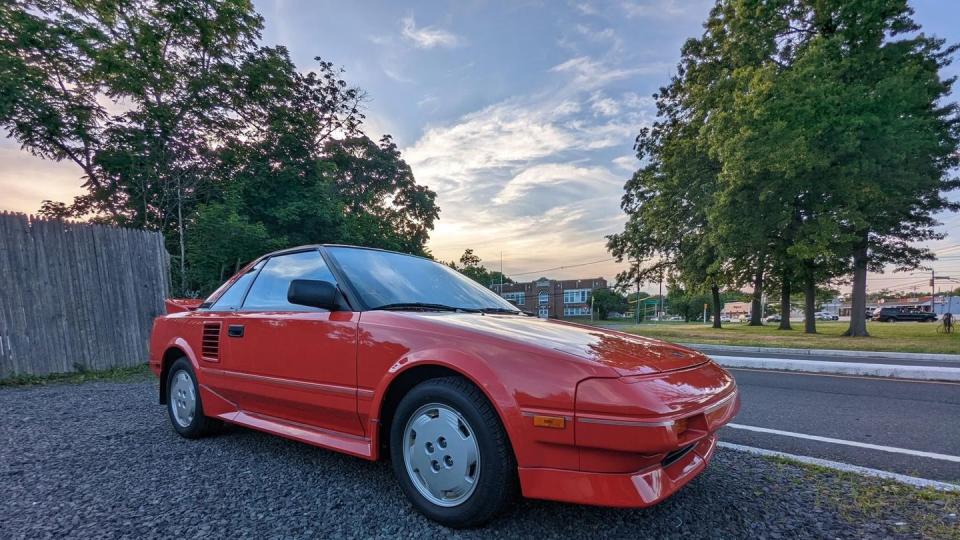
point(76, 296)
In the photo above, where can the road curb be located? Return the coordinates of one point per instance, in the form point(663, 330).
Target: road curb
point(707, 347)
point(891, 371)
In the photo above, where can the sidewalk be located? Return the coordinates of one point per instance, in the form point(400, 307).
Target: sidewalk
point(913, 366)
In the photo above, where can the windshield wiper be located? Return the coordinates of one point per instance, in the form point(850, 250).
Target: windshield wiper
point(498, 310)
point(424, 305)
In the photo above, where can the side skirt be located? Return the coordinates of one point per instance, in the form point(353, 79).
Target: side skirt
point(341, 442)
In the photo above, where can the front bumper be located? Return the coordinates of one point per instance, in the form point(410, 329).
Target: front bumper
point(626, 490)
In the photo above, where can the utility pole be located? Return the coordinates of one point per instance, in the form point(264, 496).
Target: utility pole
point(660, 314)
point(933, 292)
point(591, 306)
point(637, 307)
point(501, 273)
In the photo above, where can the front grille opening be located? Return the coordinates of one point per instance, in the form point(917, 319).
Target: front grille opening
point(675, 456)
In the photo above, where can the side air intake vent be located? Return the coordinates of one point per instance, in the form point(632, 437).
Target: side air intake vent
point(210, 344)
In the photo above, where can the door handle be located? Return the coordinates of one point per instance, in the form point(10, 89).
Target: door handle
point(235, 330)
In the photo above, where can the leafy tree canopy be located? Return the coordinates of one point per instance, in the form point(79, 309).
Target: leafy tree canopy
point(180, 122)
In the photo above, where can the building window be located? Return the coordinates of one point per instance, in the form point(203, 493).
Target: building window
point(517, 298)
point(575, 296)
point(575, 311)
point(544, 298)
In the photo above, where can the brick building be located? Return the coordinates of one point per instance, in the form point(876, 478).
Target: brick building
point(552, 297)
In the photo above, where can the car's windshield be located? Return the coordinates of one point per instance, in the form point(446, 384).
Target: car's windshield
point(385, 279)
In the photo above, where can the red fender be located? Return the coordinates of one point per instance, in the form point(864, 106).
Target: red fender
point(470, 367)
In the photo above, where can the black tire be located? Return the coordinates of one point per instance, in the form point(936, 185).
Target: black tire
point(200, 425)
point(891, 319)
point(496, 485)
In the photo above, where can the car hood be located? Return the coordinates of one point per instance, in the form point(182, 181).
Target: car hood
point(627, 354)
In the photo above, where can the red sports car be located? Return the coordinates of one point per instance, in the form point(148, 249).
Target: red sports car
point(372, 352)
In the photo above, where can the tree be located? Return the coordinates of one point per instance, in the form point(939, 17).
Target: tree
point(607, 300)
point(667, 201)
point(178, 120)
point(889, 137)
point(832, 138)
point(160, 64)
point(385, 206)
point(470, 266)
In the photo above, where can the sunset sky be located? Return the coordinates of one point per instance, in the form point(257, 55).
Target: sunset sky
point(520, 115)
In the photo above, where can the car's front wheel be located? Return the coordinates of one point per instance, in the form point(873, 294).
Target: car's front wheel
point(451, 454)
point(183, 402)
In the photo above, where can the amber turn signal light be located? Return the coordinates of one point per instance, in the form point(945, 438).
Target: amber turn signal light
point(556, 422)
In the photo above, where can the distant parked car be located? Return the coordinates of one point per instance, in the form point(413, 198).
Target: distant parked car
point(894, 314)
point(725, 318)
point(675, 318)
point(825, 316)
point(773, 318)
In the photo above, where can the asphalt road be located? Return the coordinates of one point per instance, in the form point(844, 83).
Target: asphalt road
point(909, 417)
point(100, 460)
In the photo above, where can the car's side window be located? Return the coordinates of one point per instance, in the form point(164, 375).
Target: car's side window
point(233, 297)
point(269, 291)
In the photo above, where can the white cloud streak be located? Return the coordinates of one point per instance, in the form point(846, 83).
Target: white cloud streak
point(427, 37)
point(521, 175)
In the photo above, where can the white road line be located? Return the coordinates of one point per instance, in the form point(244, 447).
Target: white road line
point(836, 465)
point(893, 449)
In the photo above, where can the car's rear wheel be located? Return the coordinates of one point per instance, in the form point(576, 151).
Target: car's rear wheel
point(183, 402)
point(891, 319)
point(451, 454)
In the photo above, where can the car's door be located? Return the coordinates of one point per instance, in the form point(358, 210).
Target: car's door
point(211, 337)
point(290, 362)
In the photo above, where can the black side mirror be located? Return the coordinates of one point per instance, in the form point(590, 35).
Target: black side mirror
point(313, 293)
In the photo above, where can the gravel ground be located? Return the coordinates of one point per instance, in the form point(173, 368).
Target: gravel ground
point(100, 460)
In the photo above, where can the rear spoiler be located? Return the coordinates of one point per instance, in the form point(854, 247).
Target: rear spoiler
point(179, 305)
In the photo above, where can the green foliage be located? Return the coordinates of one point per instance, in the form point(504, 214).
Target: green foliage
point(470, 266)
point(802, 138)
point(687, 305)
point(606, 301)
point(180, 122)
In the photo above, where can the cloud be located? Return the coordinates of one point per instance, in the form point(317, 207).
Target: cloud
point(394, 75)
point(565, 177)
point(26, 180)
point(585, 8)
point(656, 8)
point(427, 37)
point(604, 106)
point(589, 73)
point(525, 175)
point(627, 163)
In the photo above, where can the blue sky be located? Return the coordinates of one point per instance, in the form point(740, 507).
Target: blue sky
point(521, 115)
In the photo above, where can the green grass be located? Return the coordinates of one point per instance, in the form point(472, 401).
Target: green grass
point(121, 374)
point(857, 498)
point(897, 337)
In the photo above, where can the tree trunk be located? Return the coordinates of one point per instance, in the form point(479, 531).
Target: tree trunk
point(183, 243)
point(809, 303)
point(785, 304)
point(756, 307)
point(858, 305)
point(715, 293)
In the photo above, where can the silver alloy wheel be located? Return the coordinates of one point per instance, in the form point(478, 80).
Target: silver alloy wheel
point(183, 399)
point(441, 454)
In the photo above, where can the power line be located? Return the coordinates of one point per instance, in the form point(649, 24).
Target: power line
point(562, 267)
